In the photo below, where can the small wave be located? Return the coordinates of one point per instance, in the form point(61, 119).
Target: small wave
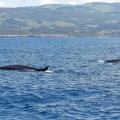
point(49, 71)
point(100, 61)
point(56, 71)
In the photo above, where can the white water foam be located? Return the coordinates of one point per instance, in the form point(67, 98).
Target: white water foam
point(49, 71)
point(100, 61)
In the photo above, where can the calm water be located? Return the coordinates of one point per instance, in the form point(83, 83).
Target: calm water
point(79, 88)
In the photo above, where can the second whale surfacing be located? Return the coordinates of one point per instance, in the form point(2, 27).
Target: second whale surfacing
point(109, 61)
point(113, 61)
point(23, 68)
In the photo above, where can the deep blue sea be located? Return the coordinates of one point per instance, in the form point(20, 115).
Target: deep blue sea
point(77, 86)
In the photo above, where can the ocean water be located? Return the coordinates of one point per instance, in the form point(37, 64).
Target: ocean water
point(77, 86)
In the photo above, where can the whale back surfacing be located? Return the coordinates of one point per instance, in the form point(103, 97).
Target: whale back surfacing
point(22, 67)
point(113, 61)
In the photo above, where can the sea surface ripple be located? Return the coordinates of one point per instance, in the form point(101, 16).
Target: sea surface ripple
point(76, 87)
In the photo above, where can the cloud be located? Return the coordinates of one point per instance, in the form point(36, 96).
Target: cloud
point(49, 2)
point(88, 1)
point(20, 3)
point(73, 2)
point(2, 4)
point(112, 1)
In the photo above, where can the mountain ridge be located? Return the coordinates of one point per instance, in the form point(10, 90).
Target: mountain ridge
point(62, 20)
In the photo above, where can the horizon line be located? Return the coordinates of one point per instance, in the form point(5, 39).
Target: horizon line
point(57, 4)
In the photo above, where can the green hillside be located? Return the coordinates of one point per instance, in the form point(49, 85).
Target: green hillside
point(60, 20)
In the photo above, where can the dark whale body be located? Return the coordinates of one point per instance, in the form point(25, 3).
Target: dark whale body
point(22, 67)
point(113, 61)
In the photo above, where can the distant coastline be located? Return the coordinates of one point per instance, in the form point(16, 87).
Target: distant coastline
point(53, 36)
point(97, 19)
point(38, 35)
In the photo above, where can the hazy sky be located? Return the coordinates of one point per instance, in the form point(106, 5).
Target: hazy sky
point(20, 3)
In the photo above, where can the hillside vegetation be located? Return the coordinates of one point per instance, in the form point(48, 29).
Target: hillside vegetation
point(60, 20)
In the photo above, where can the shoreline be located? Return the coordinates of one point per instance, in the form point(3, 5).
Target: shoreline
point(52, 36)
point(39, 35)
